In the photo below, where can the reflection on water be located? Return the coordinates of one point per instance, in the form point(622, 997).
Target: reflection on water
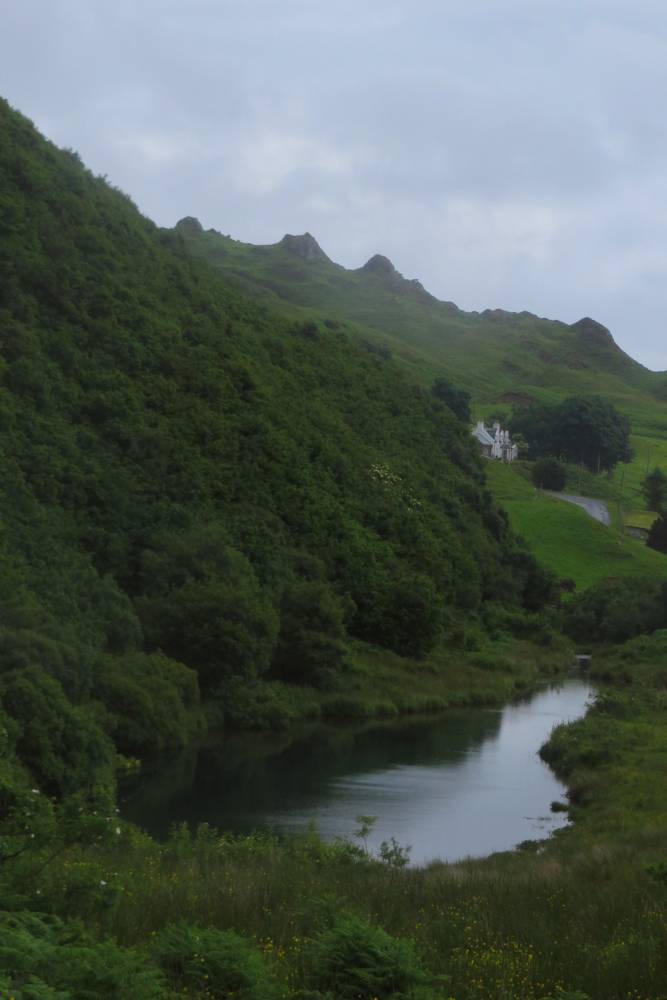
point(463, 783)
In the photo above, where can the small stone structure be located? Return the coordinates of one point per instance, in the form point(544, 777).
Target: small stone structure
point(495, 442)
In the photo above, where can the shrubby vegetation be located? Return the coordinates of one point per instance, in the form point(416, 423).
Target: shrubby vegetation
point(549, 474)
point(657, 536)
point(587, 430)
point(616, 610)
point(458, 400)
point(654, 489)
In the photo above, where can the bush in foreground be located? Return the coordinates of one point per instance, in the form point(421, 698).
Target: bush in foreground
point(221, 963)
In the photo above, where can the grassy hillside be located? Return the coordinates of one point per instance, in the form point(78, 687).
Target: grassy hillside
point(200, 494)
point(565, 538)
point(503, 359)
point(499, 357)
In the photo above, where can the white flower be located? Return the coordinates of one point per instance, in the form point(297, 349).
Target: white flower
point(35, 791)
point(118, 830)
point(102, 882)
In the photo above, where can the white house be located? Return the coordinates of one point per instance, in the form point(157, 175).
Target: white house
point(495, 442)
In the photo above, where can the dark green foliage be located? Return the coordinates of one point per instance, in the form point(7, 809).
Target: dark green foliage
point(657, 536)
point(654, 488)
point(540, 585)
point(582, 745)
point(587, 430)
point(458, 400)
point(221, 623)
point(616, 610)
point(355, 961)
point(151, 700)
point(549, 474)
point(312, 631)
point(42, 958)
point(221, 964)
point(404, 613)
point(61, 744)
point(168, 446)
point(199, 492)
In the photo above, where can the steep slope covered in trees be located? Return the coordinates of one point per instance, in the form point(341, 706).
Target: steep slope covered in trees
point(198, 492)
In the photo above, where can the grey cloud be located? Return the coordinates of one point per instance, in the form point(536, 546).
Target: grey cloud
point(506, 152)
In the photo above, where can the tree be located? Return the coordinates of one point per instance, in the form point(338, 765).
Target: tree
point(458, 400)
point(581, 429)
point(654, 488)
point(594, 432)
point(310, 646)
point(657, 536)
point(549, 474)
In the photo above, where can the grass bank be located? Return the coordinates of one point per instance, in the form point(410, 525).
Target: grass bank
point(378, 683)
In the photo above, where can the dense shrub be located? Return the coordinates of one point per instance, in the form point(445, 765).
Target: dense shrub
point(582, 429)
point(657, 536)
point(61, 744)
point(150, 699)
point(353, 960)
point(42, 958)
point(221, 964)
point(549, 474)
point(616, 610)
point(458, 400)
point(311, 645)
point(654, 489)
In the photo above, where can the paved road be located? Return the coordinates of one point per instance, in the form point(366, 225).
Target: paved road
point(596, 508)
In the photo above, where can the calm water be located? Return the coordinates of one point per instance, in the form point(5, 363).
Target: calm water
point(468, 782)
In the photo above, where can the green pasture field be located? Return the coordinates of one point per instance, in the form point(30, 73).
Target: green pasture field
point(565, 538)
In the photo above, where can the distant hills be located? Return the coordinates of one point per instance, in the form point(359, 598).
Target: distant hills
point(502, 358)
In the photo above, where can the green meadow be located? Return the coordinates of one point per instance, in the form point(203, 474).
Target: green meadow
point(565, 538)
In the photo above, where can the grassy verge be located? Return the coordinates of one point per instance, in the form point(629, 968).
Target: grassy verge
point(378, 683)
point(615, 759)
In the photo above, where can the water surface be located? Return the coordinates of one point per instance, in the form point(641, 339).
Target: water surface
point(467, 782)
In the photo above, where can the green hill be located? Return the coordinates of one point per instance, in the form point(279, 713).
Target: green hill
point(566, 538)
point(503, 359)
point(500, 357)
point(200, 493)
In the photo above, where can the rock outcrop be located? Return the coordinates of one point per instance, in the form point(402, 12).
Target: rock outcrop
point(190, 225)
point(305, 246)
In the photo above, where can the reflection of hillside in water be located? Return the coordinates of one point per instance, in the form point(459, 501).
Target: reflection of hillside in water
point(236, 783)
point(467, 779)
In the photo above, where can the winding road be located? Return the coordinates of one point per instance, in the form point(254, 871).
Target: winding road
point(595, 508)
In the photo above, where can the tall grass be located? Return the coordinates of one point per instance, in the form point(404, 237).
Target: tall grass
point(517, 927)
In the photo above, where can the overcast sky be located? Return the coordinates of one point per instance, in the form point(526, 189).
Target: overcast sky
point(508, 153)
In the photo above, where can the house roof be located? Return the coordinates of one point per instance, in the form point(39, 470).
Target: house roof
point(482, 435)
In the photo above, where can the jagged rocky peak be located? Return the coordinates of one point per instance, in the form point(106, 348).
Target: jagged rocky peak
point(592, 331)
point(379, 265)
point(305, 246)
point(189, 225)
